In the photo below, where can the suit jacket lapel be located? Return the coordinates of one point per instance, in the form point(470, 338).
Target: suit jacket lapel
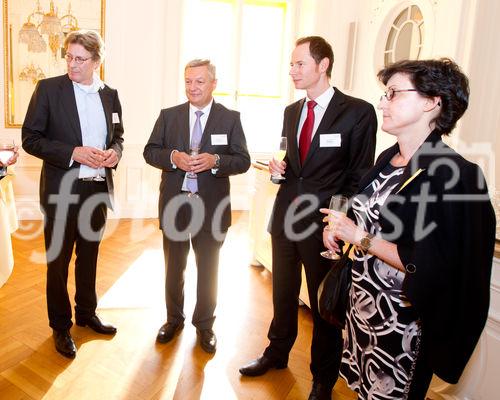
point(211, 122)
point(68, 102)
point(107, 105)
point(292, 145)
point(333, 110)
point(182, 121)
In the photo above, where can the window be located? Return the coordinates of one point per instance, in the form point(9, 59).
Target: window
point(252, 64)
point(406, 36)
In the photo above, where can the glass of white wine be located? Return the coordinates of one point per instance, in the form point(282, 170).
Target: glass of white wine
point(6, 153)
point(99, 177)
point(339, 203)
point(194, 151)
point(278, 156)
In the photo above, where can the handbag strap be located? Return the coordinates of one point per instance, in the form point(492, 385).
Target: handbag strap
point(346, 253)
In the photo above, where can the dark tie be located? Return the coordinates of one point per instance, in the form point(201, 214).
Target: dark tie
point(192, 183)
point(306, 132)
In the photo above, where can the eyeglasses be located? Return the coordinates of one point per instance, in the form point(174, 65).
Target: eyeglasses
point(78, 60)
point(389, 95)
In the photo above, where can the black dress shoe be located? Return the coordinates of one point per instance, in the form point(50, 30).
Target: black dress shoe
point(320, 391)
point(64, 343)
point(96, 325)
point(261, 365)
point(168, 331)
point(208, 341)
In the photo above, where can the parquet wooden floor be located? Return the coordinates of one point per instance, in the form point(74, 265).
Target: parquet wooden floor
point(131, 365)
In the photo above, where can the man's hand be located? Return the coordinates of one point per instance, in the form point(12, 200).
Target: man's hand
point(90, 156)
point(181, 160)
point(202, 162)
point(276, 167)
point(110, 159)
point(12, 159)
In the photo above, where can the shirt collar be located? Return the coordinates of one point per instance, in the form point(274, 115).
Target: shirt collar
point(205, 110)
point(324, 98)
point(96, 85)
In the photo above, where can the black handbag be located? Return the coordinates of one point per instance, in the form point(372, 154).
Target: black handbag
point(333, 292)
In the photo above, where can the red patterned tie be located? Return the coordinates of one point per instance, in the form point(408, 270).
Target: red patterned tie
point(306, 132)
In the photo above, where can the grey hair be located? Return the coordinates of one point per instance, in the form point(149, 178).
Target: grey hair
point(201, 62)
point(90, 40)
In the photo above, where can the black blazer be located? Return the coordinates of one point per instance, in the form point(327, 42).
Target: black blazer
point(447, 248)
point(51, 131)
point(171, 132)
point(326, 170)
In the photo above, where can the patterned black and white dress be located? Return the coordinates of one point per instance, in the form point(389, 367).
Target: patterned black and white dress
point(383, 336)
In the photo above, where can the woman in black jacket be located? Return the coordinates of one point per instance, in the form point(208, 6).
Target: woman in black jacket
point(424, 230)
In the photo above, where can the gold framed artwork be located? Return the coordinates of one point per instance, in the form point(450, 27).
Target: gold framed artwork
point(34, 33)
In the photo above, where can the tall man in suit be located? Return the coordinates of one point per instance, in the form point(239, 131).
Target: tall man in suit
point(74, 124)
point(194, 194)
point(331, 143)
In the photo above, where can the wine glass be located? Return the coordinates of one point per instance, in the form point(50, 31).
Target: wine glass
point(99, 177)
point(278, 156)
point(193, 151)
point(6, 153)
point(339, 203)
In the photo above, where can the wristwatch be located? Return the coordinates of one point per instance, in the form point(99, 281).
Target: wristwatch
point(217, 161)
point(366, 242)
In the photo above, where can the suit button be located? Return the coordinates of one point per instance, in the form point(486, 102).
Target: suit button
point(410, 268)
point(301, 178)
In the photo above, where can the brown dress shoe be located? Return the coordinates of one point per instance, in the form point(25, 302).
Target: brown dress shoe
point(260, 366)
point(208, 341)
point(168, 331)
point(64, 343)
point(96, 325)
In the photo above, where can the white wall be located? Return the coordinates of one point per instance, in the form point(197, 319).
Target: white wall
point(143, 51)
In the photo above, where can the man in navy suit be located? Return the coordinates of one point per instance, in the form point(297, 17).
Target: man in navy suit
point(74, 124)
point(194, 204)
point(331, 144)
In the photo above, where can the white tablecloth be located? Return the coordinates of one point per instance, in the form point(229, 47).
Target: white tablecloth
point(8, 224)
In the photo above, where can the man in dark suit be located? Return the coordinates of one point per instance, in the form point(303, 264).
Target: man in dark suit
point(74, 124)
point(197, 145)
point(331, 143)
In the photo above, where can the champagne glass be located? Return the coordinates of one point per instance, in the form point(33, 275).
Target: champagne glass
point(193, 151)
point(99, 177)
point(337, 203)
point(6, 153)
point(278, 156)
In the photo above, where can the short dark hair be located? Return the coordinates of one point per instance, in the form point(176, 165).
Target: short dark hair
point(319, 49)
point(436, 78)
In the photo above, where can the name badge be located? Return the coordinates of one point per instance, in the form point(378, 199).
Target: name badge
point(218, 140)
point(330, 140)
point(115, 118)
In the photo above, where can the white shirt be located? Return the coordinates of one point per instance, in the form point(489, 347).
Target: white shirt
point(322, 103)
point(203, 118)
point(192, 120)
point(92, 121)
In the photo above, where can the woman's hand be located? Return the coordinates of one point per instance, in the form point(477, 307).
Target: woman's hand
point(329, 240)
point(13, 159)
point(340, 227)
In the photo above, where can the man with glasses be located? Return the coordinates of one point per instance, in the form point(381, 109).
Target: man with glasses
point(74, 124)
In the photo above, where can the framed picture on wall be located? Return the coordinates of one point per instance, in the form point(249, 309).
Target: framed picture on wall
point(34, 33)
